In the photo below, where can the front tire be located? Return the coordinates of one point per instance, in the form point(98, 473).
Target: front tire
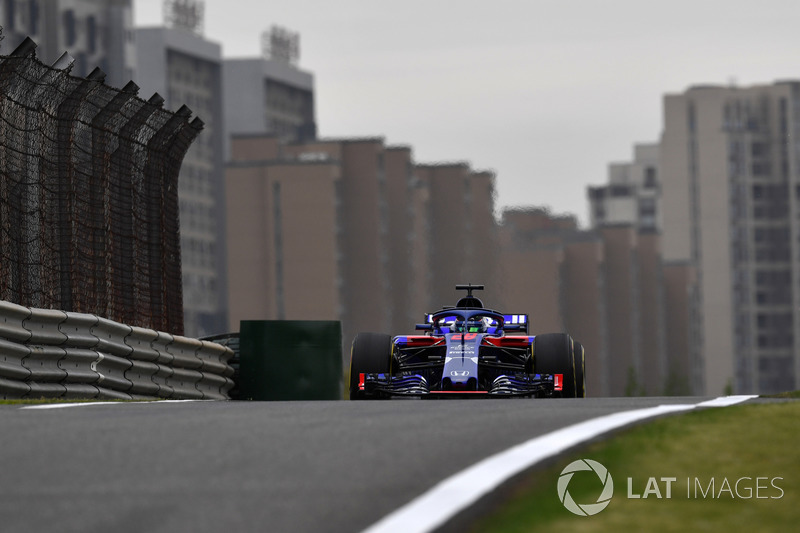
point(371, 354)
point(553, 354)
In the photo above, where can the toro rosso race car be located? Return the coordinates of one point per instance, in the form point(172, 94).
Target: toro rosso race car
point(467, 350)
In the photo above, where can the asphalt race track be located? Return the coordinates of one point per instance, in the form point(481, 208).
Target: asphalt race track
point(254, 466)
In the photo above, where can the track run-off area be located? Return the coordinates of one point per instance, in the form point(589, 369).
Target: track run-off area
point(285, 466)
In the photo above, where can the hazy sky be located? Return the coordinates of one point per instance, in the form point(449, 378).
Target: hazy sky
point(544, 92)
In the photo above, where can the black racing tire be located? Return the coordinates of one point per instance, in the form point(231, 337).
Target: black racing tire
point(371, 354)
point(580, 369)
point(553, 354)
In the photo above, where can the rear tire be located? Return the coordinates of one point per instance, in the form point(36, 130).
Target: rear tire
point(553, 354)
point(580, 369)
point(371, 354)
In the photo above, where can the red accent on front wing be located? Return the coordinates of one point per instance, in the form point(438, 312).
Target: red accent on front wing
point(422, 340)
point(558, 381)
point(361, 380)
point(508, 342)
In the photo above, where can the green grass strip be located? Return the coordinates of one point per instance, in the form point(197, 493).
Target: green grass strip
point(721, 444)
point(790, 394)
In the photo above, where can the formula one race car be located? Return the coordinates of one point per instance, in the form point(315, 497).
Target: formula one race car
point(467, 350)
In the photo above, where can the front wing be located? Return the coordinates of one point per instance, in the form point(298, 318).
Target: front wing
point(387, 385)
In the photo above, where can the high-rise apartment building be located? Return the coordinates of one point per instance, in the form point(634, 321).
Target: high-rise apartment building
point(363, 221)
point(405, 237)
point(583, 276)
point(186, 69)
point(632, 198)
point(530, 263)
point(377, 232)
point(97, 33)
point(680, 343)
point(327, 201)
point(623, 309)
point(730, 166)
point(269, 95)
point(604, 287)
point(631, 195)
point(462, 230)
point(284, 236)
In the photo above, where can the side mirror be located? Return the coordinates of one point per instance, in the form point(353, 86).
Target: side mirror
point(424, 327)
point(513, 327)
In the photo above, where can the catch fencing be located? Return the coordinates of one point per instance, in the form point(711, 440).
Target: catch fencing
point(89, 196)
point(56, 354)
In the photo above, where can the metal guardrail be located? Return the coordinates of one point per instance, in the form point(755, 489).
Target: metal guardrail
point(231, 342)
point(56, 354)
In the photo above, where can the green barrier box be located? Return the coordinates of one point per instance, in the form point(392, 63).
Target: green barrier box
point(290, 360)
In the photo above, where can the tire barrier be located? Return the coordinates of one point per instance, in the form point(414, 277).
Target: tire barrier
point(46, 353)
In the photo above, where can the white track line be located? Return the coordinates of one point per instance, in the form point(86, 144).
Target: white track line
point(724, 401)
point(446, 499)
point(63, 405)
point(84, 404)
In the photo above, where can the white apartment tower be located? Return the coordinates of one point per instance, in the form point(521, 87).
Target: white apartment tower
point(270, 94)
point(186, 69)
point(632, 193)
point(730, 176)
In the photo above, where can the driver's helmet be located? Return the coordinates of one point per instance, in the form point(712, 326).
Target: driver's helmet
point(473, 325)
